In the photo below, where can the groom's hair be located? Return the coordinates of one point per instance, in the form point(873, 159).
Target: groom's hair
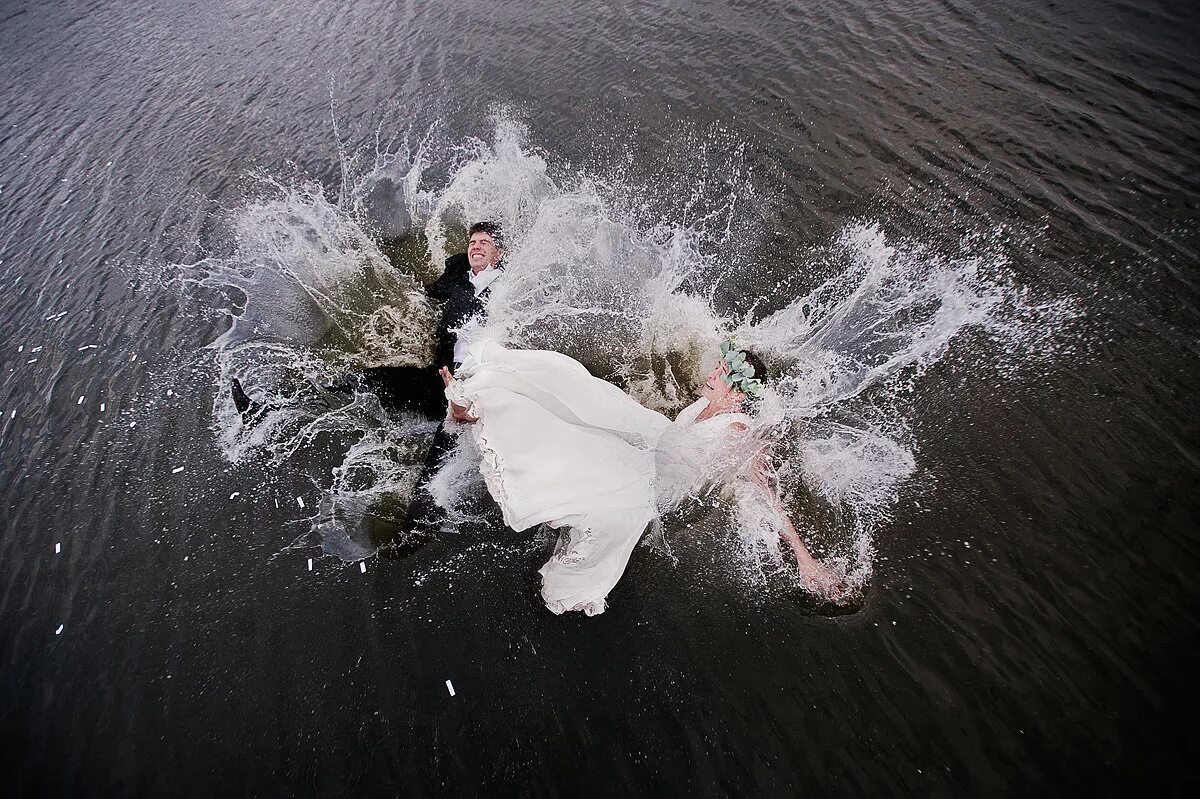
point(493, 229)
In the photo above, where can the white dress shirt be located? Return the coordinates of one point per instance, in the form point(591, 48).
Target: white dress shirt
point(479, 282)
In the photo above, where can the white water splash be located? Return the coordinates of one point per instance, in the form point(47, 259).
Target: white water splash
point(630, 299)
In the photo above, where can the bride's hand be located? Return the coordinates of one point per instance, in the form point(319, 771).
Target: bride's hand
point(819, 578)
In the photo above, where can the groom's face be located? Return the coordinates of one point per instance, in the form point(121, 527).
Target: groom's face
point(482, 251)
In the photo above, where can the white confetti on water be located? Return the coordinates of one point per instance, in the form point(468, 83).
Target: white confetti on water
point(58, 548)
point(310, 564)
point(102, 406)
point(177, 470)
point(80, 400)
point(362, 566)
point(235, 494)
point(300, 501)
point(61, 627)
point(450, 687)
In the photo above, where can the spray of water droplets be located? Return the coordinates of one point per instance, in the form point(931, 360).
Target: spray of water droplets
point(589, 275)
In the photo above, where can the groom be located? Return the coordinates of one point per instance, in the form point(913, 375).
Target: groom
point(460, 292)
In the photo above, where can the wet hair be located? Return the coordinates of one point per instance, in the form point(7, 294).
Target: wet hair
point(760, 373)
point(493, 229)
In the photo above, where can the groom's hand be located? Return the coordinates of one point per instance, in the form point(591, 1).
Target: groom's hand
point(458, 412)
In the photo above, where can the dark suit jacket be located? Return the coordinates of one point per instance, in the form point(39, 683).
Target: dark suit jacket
point(419, 388)
point(459, 303)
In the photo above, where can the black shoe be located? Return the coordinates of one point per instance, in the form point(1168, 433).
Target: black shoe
point(241, 400)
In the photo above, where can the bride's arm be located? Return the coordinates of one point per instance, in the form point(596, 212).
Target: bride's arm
point(762, 476)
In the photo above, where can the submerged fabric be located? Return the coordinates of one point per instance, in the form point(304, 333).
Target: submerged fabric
point(563, 448)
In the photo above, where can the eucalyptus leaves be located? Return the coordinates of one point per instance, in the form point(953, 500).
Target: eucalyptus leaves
point(740, 374)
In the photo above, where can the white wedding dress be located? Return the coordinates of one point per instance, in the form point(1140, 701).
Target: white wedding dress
point(563, 448)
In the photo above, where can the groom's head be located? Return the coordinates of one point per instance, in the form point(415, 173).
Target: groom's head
point(485, 245)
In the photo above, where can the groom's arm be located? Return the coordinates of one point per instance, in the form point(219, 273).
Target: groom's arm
point(454, 293)
point(459, 413)
point(441, 288)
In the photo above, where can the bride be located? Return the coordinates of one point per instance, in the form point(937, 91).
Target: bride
point(563, 448)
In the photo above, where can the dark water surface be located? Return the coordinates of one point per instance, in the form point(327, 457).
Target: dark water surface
point(1031, 625)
